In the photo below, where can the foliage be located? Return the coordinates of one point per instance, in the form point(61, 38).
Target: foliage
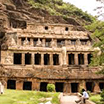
point(26, 97)
point(95, 98)
point(50, 87)
point(55, 99)
point(97, 29)
point(60, 8)
point(102, 95)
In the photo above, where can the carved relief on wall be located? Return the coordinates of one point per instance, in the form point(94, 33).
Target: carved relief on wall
point(9, 58)
point(11, 42)
point(53, 43)
point(26, 42)
point(78, 42)
point(39, 43)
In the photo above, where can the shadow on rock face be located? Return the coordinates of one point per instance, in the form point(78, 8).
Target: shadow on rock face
point(2, 34)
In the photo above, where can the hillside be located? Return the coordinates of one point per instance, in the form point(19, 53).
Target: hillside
point(48, 11)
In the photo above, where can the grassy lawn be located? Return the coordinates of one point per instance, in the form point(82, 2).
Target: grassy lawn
point(27, 97)
point(96, 99)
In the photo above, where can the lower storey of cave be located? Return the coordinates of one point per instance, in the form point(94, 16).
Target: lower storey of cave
point(67, 86)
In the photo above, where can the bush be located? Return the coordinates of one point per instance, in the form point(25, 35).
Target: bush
point(50, 87)
point(102, 95)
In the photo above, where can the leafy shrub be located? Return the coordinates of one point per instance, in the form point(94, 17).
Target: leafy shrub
point(50, 87)
point(102, 95)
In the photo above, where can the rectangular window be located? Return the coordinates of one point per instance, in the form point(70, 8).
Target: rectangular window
point(27, 58)
point(17, 58)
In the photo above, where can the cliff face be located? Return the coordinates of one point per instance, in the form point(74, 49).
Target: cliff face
point(17, 13)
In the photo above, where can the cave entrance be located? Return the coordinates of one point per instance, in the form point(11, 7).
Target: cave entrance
point(74, 87)
point(43, 86)
point(89, 58)
point(11, 84)
point(101, 85)
point(46, 59)
point(27, 85)
point(59, 86)
point(80, 59)
point(55, 59)
point(17, 58)
point(37, 59)
point(90, 86)
point(71, 59)
point(27, 59)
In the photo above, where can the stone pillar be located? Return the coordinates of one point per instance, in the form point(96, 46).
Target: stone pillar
point(61, 59)
point(85, 59)
point(64, 55)
point(32, 59)
point(42, 59)
point(31, 42)
point(82, 85)
point(23, 58)
point(19, 41)
point(67, 59)
point(43, 42)
point(51, 59)
point(19, 85)
point(66, 42)
point(76, 58)
point(67, 87)
point(96, 87)
point(35, 85)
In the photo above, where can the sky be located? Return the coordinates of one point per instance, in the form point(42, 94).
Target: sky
point(85, 5)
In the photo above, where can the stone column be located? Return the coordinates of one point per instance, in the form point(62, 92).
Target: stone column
point(96, 87)
point(82, 85)
point(67, 59)
point(35, 85)
point(31, 42)
point(51, 59)
point(67, 87)
point(43, 42)
point(64, 55)
point(42, 59)
point(32, 59)
point(85, 59)
point(19, 85)
point(23, 58)
point(66, 42)
point(19, 41)
point(76, 58)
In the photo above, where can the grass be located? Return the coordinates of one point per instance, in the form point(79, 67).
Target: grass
point(27, 97)
point(96, 99)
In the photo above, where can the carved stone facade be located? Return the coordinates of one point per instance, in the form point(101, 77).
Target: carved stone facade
point(49, 53)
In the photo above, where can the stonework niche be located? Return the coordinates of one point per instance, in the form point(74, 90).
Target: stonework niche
point(11, 84)
point(101, 85)
point(48, 42)
point(37, 59)
point(89, 56)
point(74, 87)
point(59, 86)
point(55, 59)
point(18, 24)
point(43, 86)
point(27, 59)
point(80, 59)
point(71, 60)
point(90, 86)
point(46, 59)
point(27, 85)
point(60, 42)
point(17, 58)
